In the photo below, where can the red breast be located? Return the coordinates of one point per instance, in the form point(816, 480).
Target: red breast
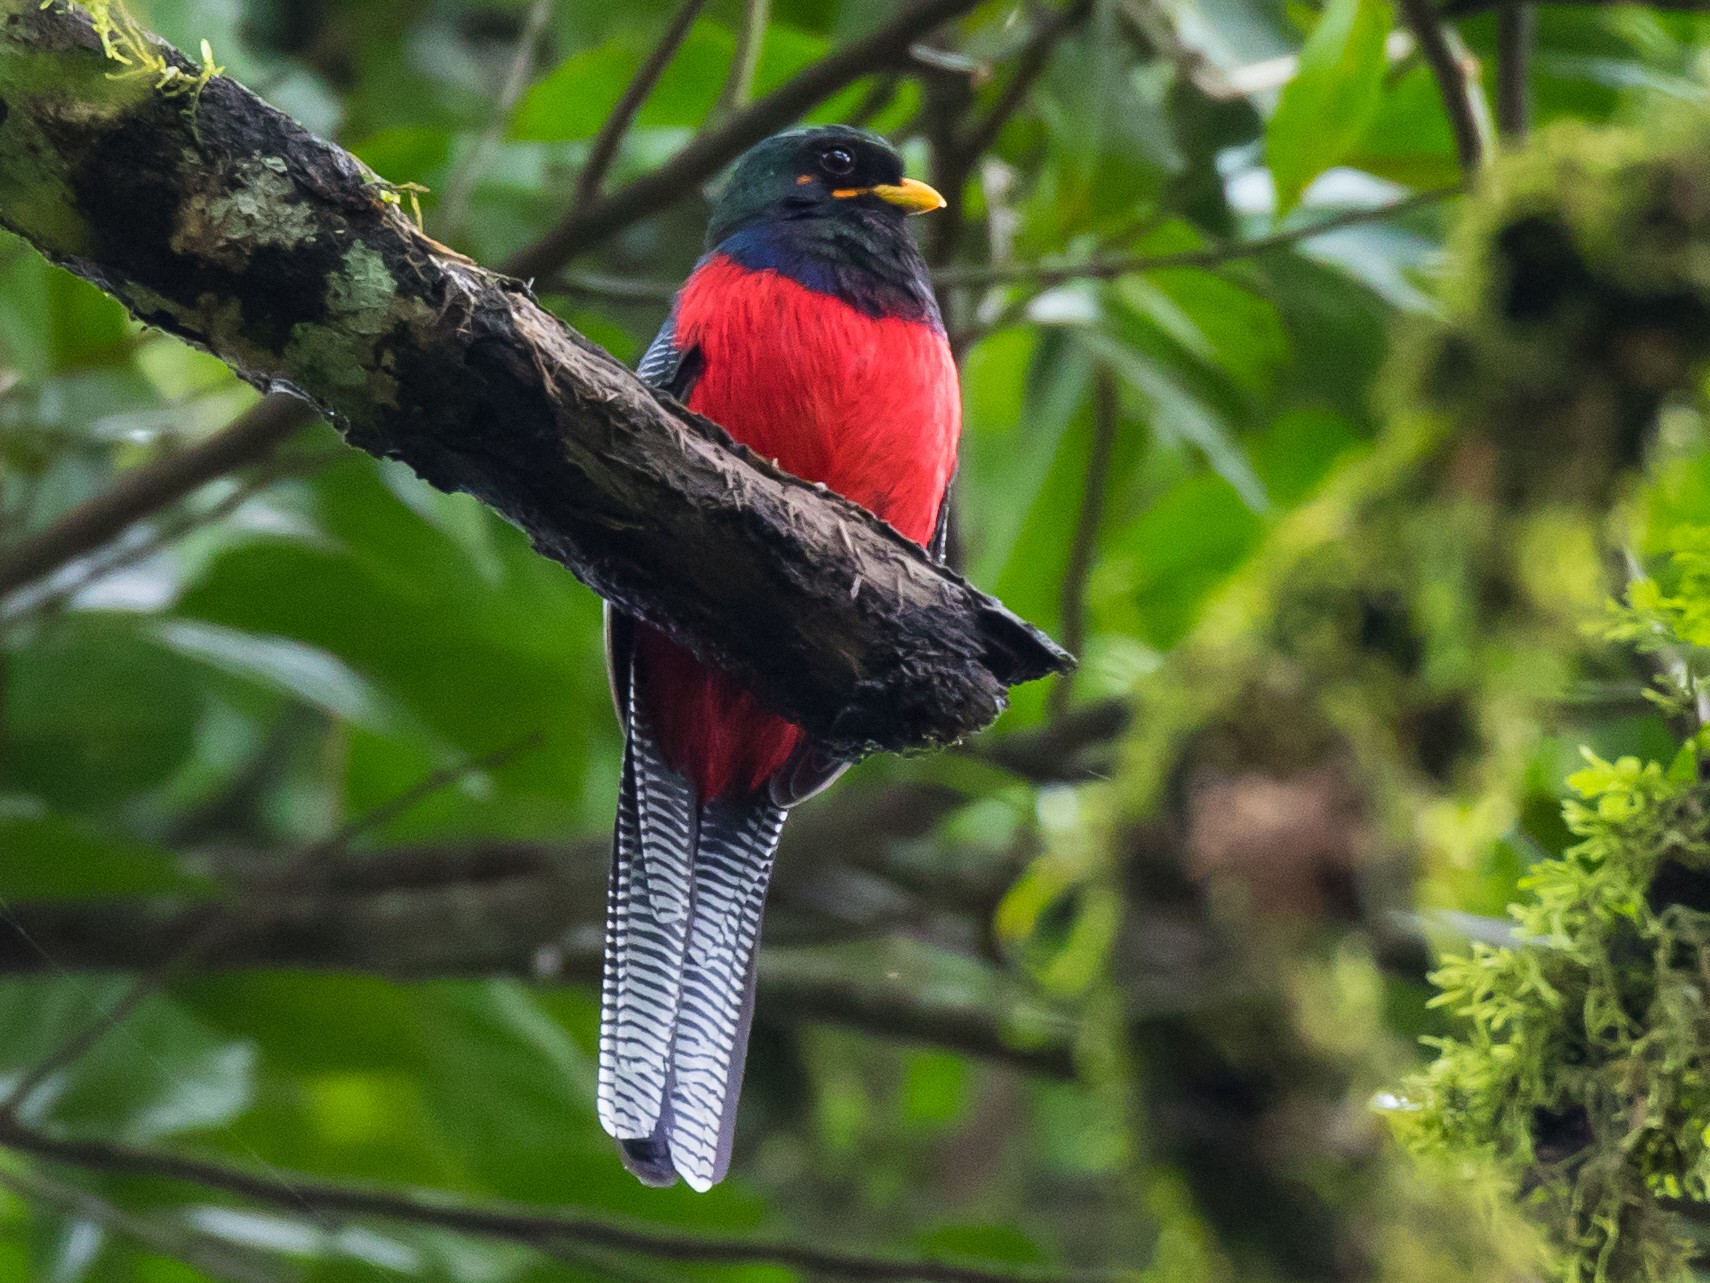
point(868, 405)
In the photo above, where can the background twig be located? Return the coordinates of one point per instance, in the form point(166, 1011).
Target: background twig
point(1515, 31)
point(455, 207)
point(1457, 82)
point(295, 1192)
point(1083, 549)
point(710, 151)
point(136, 494)
point(739, 84)
point(604, 149)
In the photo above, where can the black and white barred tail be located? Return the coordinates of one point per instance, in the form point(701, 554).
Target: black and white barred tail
point(688, 884)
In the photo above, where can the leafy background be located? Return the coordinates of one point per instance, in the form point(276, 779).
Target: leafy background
point(1111, 987)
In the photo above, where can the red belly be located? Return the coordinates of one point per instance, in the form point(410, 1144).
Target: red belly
point(869, 406)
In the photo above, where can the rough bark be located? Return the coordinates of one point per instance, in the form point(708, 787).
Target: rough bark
point(222, 221)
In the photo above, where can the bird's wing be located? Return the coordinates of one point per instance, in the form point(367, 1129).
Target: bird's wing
point(668, 367)
point(939, 547)
point(674, 370)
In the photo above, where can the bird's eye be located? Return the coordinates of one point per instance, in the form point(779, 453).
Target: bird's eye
point(837, 161)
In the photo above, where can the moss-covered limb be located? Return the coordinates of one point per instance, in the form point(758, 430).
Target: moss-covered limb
point(1578, 302)
point(1579, 1071)
point(1368, 702)
point(220, 220)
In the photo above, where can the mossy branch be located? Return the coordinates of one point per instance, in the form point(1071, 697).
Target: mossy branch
point(1579, 306)
point(218, 219)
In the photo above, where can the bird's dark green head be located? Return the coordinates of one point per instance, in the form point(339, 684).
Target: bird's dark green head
point(831, 171)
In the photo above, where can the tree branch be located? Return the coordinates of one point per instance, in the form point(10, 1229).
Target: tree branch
point(297, 1193)
point(739, 84)
point(1515, 28)
point(118, 554)
point(1469, 8)
point(658, 293)
point(145, 491)
point(1456, 82)
point(1055, 751)
point(461, 188)
point(606, 143)
point(211, 1256)
point(1045, 275)
point(883, 50)
point(1083, 548)
point(227, 922)
point(532, 910)
point(249, 438)
point(222, 221)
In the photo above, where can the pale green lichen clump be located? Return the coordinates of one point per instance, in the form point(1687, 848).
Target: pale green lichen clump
point(1579, 1073)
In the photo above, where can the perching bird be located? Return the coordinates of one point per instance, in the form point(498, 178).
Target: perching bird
point(810, 332)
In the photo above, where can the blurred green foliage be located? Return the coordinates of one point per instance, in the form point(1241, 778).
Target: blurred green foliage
point(1353, 656)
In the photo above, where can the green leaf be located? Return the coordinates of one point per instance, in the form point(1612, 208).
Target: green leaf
point(1407, 139)
point(160, 1073)
point(95, 712)
point(1325, 109)
point(577, 96)
point(60, 857)
point(302, 672)
point(1180, 414)
point(1160, 569)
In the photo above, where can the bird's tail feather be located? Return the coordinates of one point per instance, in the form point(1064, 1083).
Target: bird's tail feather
point(733, 865)
point(648, 908)
point(688, 884)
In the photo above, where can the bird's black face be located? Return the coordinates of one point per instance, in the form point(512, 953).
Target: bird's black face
point(824, 172)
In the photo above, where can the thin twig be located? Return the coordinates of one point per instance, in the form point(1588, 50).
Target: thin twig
point(202, 1252)
point(1045, 275)
point(1083, 548)
point(512, 1223)
point(739, 85)
point(604, 149)
point(1674, 661)
point(462, 185)
point(224, 922)
point(46, 600)
point(1469, 8)
point(581, 229)
point(607, 289)
point(251, 436)
point(1456, 83)
point(1515, 29)
point(1035, 56)
point(881, 94)
point(961, 150)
